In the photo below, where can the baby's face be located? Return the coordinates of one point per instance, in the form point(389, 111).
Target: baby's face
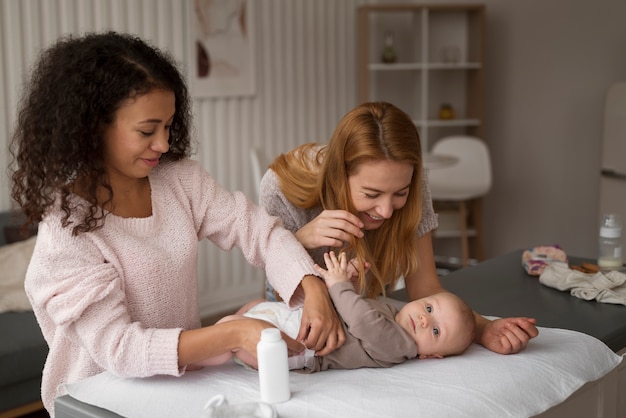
point(434, 322)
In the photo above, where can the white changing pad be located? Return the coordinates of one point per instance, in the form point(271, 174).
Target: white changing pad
point(477, 384)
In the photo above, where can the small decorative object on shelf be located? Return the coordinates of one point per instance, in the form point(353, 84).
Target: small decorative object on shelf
point(451, 54)
point(446, 111)
point(389, 52)
point(436, 54)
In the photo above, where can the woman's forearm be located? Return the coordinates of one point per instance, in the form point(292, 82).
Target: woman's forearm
point(199, 344)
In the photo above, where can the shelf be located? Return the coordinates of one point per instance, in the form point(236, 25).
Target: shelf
point(404, 66)
point(399, 66)
point(440, 60)
point(454, 66)
point(439, 123)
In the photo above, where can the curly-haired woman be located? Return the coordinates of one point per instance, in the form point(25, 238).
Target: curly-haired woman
point(101, 151)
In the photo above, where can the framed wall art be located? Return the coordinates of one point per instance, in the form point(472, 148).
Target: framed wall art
point(221, 48)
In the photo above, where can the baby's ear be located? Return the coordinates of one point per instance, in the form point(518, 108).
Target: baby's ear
point(423, 356)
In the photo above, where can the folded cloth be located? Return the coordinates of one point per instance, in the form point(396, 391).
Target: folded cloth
point(218, 407)
point(536, 259)
point(606, 287)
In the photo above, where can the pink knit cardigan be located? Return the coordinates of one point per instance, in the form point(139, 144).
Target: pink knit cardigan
point(117, 298)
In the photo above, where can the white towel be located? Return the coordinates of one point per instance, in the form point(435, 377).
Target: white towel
point(479, 383)
point(218, 407)
point(606, 287)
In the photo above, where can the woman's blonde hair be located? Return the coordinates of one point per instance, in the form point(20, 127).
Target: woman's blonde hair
point(312, 176)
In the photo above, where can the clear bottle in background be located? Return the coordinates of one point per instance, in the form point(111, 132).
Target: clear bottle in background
point(273, 367)
point(389, 51)
point(610, 249)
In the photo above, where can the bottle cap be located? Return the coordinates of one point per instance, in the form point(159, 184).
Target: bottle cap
point(611, 226)
point(271, 334)
point(611, 220)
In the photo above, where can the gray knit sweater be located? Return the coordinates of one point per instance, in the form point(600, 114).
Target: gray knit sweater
point(272, 198)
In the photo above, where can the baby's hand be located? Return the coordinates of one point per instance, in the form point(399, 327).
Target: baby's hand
point(337, 269)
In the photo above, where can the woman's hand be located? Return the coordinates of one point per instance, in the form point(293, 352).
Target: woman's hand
point(251, 335)
point(197, 345)
point(506, 335)
point(320, 329)
point(331, 228)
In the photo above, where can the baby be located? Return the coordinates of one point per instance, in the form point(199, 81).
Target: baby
point(377, 333)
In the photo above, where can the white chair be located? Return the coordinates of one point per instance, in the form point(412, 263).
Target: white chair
point(259, 163)
point(457, 190)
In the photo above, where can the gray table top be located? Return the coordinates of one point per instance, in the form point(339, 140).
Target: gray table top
point(68, 407)
point(501, 287)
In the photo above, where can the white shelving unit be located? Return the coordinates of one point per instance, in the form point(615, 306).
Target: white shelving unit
point(440, 60)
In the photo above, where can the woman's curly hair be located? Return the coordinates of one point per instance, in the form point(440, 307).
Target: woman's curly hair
point(70, 99)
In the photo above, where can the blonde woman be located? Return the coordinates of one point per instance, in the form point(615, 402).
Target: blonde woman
point(365, 193)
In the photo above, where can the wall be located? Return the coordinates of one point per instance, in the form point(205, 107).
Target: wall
point(305, 64)
point(549, 64)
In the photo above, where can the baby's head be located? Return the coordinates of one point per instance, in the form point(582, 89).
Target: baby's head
point(441, 325)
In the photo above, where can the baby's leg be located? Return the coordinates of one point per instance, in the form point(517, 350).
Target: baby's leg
point(247, 358)
point(245, 308)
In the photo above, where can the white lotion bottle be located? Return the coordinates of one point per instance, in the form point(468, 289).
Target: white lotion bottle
point(273, 367)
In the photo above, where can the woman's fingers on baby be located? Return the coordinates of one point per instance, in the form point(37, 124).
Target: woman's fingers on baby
point(293, 347)
point(314, 340)
point(329, 347)
point(330, 342)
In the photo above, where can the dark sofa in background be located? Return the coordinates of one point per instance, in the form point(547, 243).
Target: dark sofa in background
point(23, 349)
